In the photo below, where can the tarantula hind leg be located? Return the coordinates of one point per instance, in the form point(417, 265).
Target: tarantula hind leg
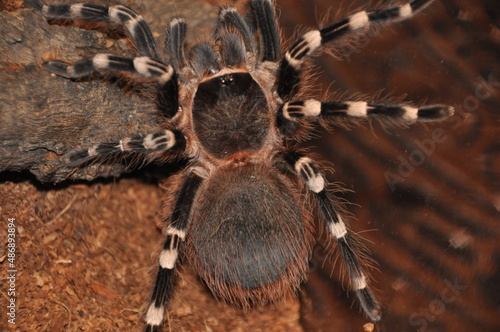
point(307, 171)
point(166, 141)
point(175, 235)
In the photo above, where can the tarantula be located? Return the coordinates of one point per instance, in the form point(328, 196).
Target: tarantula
point(230, 108)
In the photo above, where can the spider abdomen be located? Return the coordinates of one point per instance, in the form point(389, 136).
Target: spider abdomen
point(231, 114)
point(248, 235)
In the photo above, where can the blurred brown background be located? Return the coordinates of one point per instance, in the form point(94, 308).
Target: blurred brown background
point(425, 198)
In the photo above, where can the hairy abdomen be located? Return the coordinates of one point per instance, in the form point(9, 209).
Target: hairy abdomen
point(249, 236)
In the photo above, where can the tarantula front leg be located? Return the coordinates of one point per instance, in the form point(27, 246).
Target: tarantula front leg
point(307, 171)
point(143, 65)
point(291, 65)
point(164, 75)
point(171, 141)
point(311, 108)
point(133, 22)
point(175, 235)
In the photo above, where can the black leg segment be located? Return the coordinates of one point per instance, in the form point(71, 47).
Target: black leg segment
point(268, 31)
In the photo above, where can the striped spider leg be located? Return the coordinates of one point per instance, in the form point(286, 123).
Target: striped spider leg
point(297, 110)
point(290, 71)
point(307, 171)
point(175, 236)
point(169, 142)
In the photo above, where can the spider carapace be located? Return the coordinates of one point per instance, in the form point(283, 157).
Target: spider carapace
point(242, 208)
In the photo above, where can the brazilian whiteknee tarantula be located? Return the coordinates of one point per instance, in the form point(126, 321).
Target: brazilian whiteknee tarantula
point(238, 216)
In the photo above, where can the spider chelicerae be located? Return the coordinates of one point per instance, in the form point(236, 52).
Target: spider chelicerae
point(242, 212)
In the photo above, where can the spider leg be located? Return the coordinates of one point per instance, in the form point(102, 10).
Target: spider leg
point(132, 21)
point(143, 65)
point(174, 42)
point(230, 20)
point(165, 140)
point(164, 75)
point(175, 235)
point(307, 171)
point(310, 108)
point(290, 67)
point(263, 11)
